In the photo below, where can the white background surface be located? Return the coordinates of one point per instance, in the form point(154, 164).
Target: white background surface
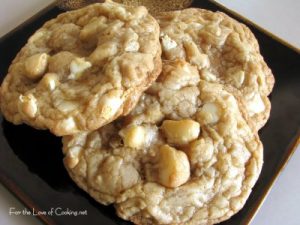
point(280, 17)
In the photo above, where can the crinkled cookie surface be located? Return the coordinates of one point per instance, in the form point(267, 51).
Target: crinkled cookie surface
point(184, 155)
point(83, 69)
point(224, 51)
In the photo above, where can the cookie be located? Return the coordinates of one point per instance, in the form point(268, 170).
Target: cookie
point(156, 6)
point(224, 51)
point(184, 155)
point(83, 69)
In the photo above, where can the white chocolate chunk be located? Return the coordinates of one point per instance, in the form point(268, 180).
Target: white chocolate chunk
point(111, 103)
point(65, 106)
point(197, 25)
point(133, 136)
point(168, 43)
point(28, 105)
point(77, 67)
point(255, 105)
point(208, 76)
point(150, 135)
point(239, 155)
point(36, 65)
point(173, 167)
point(237, 78)
point(209, 113)
point(132, 46)
point(68, 125)
point(181, 132)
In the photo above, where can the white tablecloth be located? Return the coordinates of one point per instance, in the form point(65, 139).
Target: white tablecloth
point(280, 17)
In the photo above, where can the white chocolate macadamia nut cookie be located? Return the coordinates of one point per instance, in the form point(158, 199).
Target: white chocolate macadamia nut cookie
point(224, 51)
point(83, 69)
point(184, 155)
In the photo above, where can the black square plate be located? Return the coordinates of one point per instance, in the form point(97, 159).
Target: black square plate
point(31, 161)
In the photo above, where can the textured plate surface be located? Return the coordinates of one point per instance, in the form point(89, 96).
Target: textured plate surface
point(31, 161)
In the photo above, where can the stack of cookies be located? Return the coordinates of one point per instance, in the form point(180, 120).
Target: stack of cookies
point(159, 116)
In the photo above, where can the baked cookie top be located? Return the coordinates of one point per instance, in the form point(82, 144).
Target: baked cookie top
point(83, 69)
point(184, 155)
point(224, 51)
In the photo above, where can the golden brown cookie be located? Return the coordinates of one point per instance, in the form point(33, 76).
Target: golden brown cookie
point(184, 155)
point(224, 51)
point(83, 69)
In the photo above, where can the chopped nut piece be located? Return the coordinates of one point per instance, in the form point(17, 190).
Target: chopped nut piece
point(173, 167)
point(65, 105)
point(176, 77)
point(36, 65)
point(96, 25)
point(72, 158)
point(209, 113)
point(200, 151)
point(28, 105)
point(194, 56)
point(117, 176)
point(181, 132)
point(59, 63)
point(102, 52)
point(49, 81)
point(133, 136)
point(131, 41)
